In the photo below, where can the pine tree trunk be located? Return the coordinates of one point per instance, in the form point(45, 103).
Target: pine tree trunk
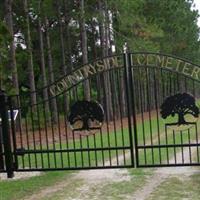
point(42, 60)
point(94, 48)
point(104, 47)
point(106, 26)
point(116, 109)
point(30, 57)
point(13, 66)
point(122, 94)
point(83, 36)
point(64, 68)
point(51, 73)
point(69, 54)
point(115, 38)
point(68, 36)
point(61, 37)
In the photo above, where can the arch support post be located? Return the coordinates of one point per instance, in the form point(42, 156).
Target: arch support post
point(6, 135)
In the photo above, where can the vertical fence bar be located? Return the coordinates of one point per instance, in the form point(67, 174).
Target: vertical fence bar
point(2, 167)
point(1, 152)
point(6, 135)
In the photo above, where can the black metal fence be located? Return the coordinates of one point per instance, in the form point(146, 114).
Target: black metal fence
point(132, 89)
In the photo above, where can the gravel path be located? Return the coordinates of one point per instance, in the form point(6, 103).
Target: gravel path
point(97, 179)
point(20, 175)
point(90, 178)
point(163, 173)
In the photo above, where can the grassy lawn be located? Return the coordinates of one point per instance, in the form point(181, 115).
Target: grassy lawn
point(89, 158)
point(21, 188)
point(179, 187)
point(16, 189)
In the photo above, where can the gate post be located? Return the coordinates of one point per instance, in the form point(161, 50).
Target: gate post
point(1, 151)
point(132, 97)
point(6, 134)
point(129, 102)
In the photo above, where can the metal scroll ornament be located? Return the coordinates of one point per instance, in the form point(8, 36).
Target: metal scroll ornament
point(180, 111)
point(86, 116)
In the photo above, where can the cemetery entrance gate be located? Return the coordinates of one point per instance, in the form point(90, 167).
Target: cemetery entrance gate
point(129, 110)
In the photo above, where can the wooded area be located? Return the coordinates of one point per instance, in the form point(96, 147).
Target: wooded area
point(42, 40)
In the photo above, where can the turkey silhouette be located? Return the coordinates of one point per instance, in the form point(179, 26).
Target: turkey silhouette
point(86, 115)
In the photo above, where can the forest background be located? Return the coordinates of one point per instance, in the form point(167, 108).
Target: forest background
point(42, 40)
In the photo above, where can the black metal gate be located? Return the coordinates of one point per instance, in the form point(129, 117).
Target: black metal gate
point(129, 110)
point(166, 102)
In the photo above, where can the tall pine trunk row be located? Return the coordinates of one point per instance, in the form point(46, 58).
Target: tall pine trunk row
point(57, 36)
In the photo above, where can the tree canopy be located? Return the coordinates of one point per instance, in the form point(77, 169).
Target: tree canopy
point(70, 32)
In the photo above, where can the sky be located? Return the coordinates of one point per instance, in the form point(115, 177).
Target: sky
point(197, 7)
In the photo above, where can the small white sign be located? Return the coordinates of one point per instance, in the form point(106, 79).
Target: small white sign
point(15, 113)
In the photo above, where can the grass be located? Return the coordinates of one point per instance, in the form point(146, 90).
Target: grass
point(179, 187)
point(20, 188)
point(67, 192)
point(122, 190)
point(78, 159)
point(158, 155)
point(87, 158)
point(106, 190)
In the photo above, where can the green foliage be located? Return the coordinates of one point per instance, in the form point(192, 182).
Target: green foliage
point(131, 26)
point(146, 25)
point(5, 39)
point(179, 26)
